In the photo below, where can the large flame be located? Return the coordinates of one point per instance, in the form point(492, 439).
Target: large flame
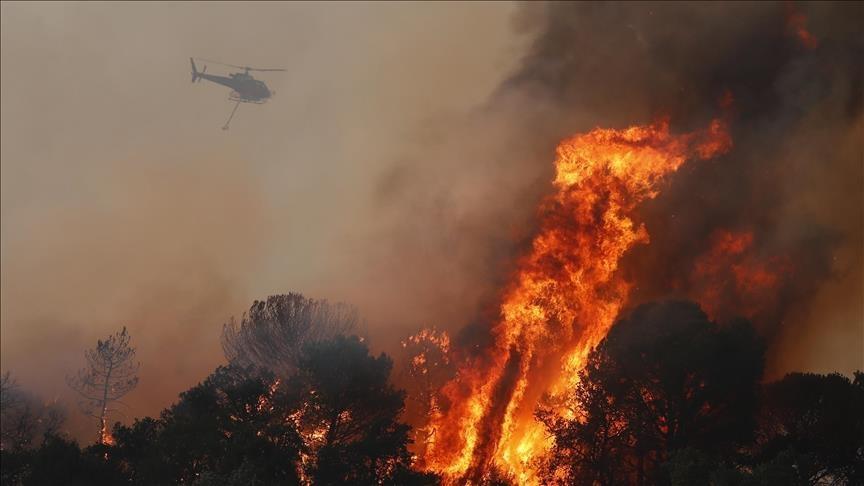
point(561, 301)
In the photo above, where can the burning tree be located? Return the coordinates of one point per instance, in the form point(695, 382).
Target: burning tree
point(229, 429)
point(347, 413)
point(335, 421)
point(274, 332)
point(664, 379)
point(427, 367)
point(110, 374)
point(563, 297)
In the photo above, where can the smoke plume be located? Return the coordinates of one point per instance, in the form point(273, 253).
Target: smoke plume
point(464, 208)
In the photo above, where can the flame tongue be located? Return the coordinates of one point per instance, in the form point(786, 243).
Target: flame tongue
point(562, 299)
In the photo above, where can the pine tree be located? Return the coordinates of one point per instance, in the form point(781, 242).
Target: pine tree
point(111, 373)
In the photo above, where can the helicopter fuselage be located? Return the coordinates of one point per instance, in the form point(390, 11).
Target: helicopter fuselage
point(244, 88)
point(247, 88)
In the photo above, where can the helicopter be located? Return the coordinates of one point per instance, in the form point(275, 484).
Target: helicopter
point(245, 88)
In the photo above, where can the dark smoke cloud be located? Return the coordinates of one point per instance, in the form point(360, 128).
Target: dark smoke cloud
point(464, 208)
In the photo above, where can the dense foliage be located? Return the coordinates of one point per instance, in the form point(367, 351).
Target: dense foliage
point(335, 421)
point(668, 398)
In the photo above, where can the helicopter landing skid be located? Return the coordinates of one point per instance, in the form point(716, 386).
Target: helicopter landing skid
point(233, 96)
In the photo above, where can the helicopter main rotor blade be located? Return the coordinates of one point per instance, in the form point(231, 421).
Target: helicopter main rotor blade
point(222, 63)
point(257, 69)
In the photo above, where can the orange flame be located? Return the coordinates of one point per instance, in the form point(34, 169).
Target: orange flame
point(562, 299)
point(429, 355)
point(105, 436)
point(732, 275)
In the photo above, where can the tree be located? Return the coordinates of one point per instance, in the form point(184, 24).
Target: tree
point(274, 332)
point(8, 389)
point(58, 460)
point(25, 420)
point(333, 422)
point(426, 367)
point(11, 401)
point(110, 374)
point(689, 466)
point(811, 429)
point(664, 379)
point(230, 429)
point(347, 413)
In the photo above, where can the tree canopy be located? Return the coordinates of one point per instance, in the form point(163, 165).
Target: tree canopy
point(274, 333)
point(336, 420)
point(665, 378)
point(669, 397)
point(349, 412)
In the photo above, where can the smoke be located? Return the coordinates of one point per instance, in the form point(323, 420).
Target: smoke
point(457, 213)
point(154, 261)
point(396, 171)
point(123, 203)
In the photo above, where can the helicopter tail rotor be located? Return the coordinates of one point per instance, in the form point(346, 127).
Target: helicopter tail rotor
point(196, 74)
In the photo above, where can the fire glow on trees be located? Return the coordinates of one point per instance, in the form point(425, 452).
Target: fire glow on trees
point(561, 301)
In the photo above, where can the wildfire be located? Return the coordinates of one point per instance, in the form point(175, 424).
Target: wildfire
point(105, 436)
point(732, 275)
point(562, 299)
point(429, 351)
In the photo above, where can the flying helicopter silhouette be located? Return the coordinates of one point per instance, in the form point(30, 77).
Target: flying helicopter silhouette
point(244, 88)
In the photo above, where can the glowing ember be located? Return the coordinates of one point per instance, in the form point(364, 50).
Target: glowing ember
point(562, 299)
point(105, 436)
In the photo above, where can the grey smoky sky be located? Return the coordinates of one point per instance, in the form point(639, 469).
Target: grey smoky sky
point(123, 203)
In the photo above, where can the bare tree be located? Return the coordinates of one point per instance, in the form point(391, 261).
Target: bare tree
point(111, 373)
point(274, 332)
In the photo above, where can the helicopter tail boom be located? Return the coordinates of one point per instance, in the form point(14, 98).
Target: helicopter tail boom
point(195, 74)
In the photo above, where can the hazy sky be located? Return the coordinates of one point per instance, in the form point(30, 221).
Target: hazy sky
point(123, 203)
point(398, 167)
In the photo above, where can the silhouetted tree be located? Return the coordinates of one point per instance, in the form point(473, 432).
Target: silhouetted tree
point(347, 413)
point(812, 430)
point(274, 332)
point(230, 428)
point(665, 378)
point(426, 367)
point(689, 466)
point(14, 432)
point(334, 422)
point(25, 420)
point(59, 461)
point(8, 387)
point(110, 374)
